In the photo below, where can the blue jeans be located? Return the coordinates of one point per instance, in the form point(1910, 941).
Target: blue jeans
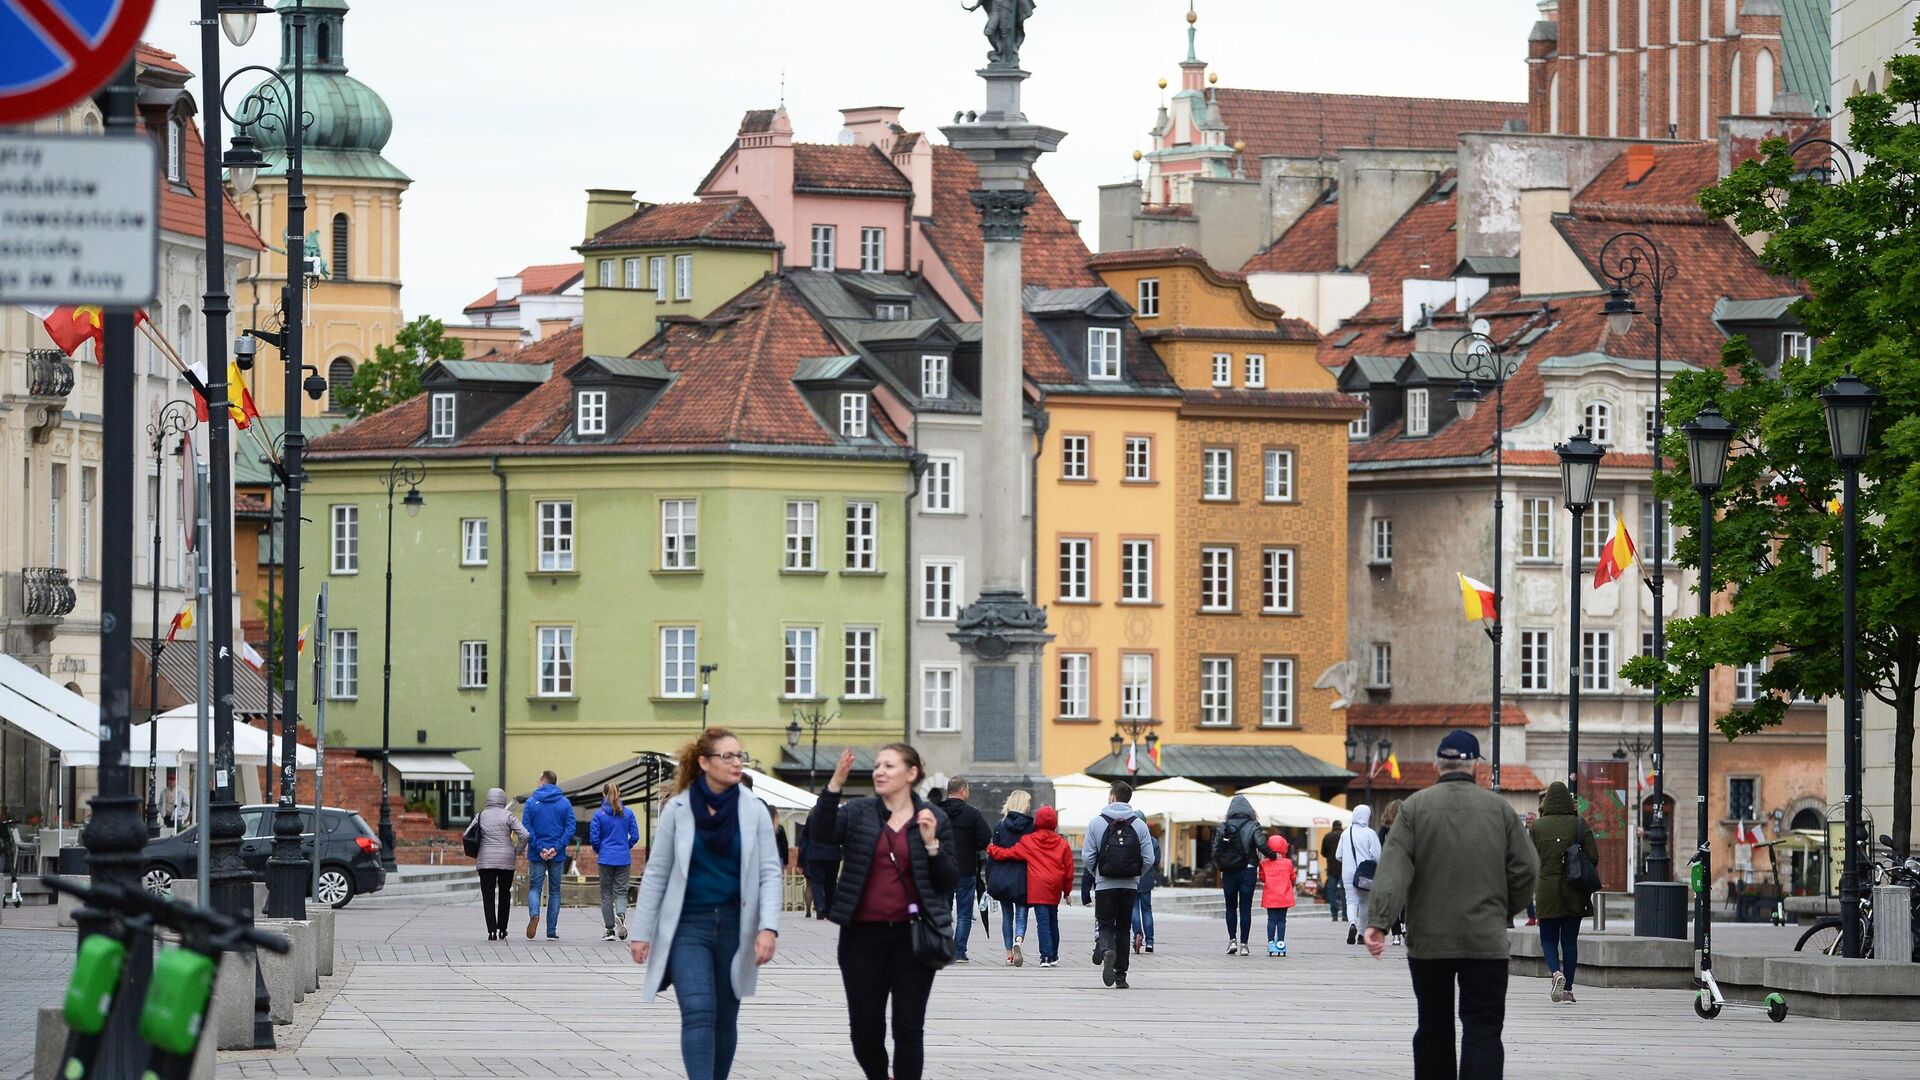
point(700, 963)
point(550, 871)
point(1560, 941)
point(1238, 886)
point(1009, 912)
point(1277, 924)
point(1143, 915)
point(1336, 898)
point(1047, 918)
point(962, 915)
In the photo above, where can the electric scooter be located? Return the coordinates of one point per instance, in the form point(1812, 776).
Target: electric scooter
point(1707, 998)
point(13, 866)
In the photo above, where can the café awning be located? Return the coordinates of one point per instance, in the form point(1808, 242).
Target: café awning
point(427, 768)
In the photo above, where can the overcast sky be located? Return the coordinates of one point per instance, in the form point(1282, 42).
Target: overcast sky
point(505, 111)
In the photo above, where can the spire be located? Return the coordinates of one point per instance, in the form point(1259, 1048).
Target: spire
point(1192, 18)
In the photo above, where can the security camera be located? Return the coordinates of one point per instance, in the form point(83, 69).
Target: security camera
point(244, 348)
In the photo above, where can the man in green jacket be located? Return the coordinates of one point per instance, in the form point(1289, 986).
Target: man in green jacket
point(1461, 866)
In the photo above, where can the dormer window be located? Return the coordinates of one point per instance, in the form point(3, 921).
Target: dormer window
point(886, 311)
point(590, 413)
point(440, 416)
point(1596, 422)
point(1256, 372)
point(176, 150)
point(1417, 411)
point(853, 416)
point(1222, 369)
point(933, 377)
point(1103, 352)
point(1148, 305)
point(1361, 426)
point(608, 269)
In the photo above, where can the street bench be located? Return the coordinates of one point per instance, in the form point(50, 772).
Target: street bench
point(1814, 984)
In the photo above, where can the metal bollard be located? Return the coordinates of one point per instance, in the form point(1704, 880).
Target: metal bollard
point(1893, 930)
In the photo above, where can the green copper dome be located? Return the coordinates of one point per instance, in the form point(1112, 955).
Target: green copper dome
point(349, 125)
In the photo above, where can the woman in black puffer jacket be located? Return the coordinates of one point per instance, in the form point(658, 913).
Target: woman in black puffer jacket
point(897, 862)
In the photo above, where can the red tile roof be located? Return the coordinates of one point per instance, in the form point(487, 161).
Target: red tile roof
point(1288, 123)
point(722, 221)
point(1677, 176)
point(1310, 245)
point(541, 280)
point(1434, 715)
point(154, 56)
point(1417, 775)
point(182, 209)
point(830, 167)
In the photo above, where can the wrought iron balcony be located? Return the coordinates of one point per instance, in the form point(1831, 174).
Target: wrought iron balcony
point(46, 592)
point(49, 374)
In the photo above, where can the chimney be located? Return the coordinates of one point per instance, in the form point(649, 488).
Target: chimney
point(606, 207)
point(557, 325)
point(762, 172)
point(1639, 162)
point(1547, 263)
point(870, 125)
point(506, 288)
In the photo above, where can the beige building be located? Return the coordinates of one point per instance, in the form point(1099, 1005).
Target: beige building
point(1865, 34)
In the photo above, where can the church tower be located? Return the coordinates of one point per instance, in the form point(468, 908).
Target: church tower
point(353, 217)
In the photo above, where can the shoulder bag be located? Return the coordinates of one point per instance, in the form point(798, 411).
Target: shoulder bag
point(1577, 867)
point(930, 945)
point(470, 840)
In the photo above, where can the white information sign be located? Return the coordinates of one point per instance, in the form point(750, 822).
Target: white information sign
point(79, 219)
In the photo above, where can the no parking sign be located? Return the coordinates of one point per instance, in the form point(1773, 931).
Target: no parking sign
point(55, 52)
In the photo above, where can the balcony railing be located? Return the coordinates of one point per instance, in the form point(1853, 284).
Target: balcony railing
point(46, 592)
point(49, 373)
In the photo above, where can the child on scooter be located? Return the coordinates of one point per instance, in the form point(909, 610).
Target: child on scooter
point(1276, 892)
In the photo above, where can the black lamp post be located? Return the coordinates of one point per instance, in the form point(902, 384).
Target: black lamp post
point(1134, 729)
point(1579, 466)
point(1849, 404)
point(1484, 360)
point(814, 721)
point(1624, 751)
point(1361, 746)
point(1708, 437)
point(174, 418)
point(409, 471)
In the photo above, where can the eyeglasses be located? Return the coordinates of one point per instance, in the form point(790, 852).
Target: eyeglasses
point(731, 757)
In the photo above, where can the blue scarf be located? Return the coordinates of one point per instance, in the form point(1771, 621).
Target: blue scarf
point(716, 817)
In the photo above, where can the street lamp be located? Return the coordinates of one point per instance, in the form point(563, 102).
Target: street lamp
point(1134, 728)
point(814, 721)
point(706, 691)
point(1484, 360)
point(1579, 465)
point(1622, 751)
point(176, 417)
point(409, 471)
point(1708, 437)
point(239, 17)
point(1365, 742)
point(1849, 404)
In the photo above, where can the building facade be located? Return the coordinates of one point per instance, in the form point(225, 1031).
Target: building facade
point(1865, 33)
point(647, 263)
point(522, 308)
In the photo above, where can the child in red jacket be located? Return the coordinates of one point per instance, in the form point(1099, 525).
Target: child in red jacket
point(1276, 893)
point(1049, 860)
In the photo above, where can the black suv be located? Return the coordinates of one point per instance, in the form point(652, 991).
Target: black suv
point(349, 860)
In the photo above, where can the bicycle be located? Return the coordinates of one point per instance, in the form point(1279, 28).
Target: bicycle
point(1825, 935)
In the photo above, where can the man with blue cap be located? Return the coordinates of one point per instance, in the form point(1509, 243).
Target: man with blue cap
point(1460, 865)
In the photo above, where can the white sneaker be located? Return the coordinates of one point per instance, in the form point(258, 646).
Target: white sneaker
point(608, 936)
point(1559, 992)
point(620, 926)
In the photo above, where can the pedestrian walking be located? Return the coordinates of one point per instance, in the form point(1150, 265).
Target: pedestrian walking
point(1007, 878)
point(1558, 905)
point(1143, 904)
point(898, 873)
point(710, 898)
point(1119, 848)
point(1238, 845)
point(549, 818)
point(501, 837)
point(780, 845)
point(1336, 889)
point(1276, 893)
point(1049, 861)
point(614, 834)
point(971, 834)
point(1359, 854)
point(820, 862)
point(1459, 867)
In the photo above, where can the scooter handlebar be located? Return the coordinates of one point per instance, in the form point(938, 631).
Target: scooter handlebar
point(225, 930)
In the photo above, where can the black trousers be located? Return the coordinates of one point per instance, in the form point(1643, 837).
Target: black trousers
point(876, 963)
point(1483, 1011)
point(1113, 910)
point(496, 897)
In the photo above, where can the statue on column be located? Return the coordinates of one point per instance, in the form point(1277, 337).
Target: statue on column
point(1006, 28)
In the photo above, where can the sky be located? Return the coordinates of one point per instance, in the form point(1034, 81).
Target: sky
point(506, 111)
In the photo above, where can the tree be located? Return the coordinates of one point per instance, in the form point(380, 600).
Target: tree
point(393, 375)
point(1856, 244)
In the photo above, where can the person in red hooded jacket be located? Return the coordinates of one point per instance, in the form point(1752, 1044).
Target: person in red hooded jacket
point(1049, 860)
point(1276, 893)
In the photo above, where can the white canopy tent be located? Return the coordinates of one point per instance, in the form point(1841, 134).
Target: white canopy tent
point(1078, 798)
point(1181, 801)
point(1275, 803)
point(178, 743)
point(779, 794)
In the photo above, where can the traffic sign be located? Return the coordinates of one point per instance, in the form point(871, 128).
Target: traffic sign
point(55, 52)
point(79, 219)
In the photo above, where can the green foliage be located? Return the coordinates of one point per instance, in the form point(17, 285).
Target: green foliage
point(393, 375)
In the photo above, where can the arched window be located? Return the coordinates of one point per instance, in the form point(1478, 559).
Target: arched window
point(182, 336)
point(1763, 83)
point(1596, 422)
point(340, 247)
point(1807, 819)
point(1734, 106)
point(339, 374)
point(325, 42)
point(1553, 104)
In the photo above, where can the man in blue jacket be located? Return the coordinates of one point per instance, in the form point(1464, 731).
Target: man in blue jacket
point(550, 827)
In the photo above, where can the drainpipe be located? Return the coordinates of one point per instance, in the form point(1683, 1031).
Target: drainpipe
point(506, 549)
point(1040, 425)
point(916, 468)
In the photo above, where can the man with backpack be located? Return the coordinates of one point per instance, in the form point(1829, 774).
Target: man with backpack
point(1238, 846)
point(1119, 849)
point(1330, 863)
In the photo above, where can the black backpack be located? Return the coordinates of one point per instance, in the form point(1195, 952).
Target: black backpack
point(1229, 851)
point(1120, 855)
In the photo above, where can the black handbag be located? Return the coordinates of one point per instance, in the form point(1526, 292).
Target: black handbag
point(930, 945)
point(1363, 873)
point(1577, 867)
point(470, 840)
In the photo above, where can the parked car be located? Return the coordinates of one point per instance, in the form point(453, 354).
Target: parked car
point(349, 854)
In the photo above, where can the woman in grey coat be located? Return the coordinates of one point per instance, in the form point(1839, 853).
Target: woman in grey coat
point(710, 898)
point(501, 836)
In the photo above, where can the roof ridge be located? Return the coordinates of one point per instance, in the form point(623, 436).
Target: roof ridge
point(735, 422)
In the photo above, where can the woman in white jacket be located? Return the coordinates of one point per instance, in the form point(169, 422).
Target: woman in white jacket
point(710, 897)
point(1359, 844)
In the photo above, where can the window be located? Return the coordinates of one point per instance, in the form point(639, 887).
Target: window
point(1076, 557)
point(803, 527)
point(1647, 526)
point(608, 269)
point(1136, 686)
point(556, 535)
point(1276, 581)
point(853, 415)
point(590, 413)
point(1073, 457)
point(1746, 681)
point(1380, 541)
point(1596, 660)
point(1136, 571)
point(340, 247)
point(630, 273)
point(1277, 475)
point(1652, 429)
point(84, 565)
point(683, 277)
point(799, 658)
point(1796, 345)
point(939, 698)
point(862, 652)
point(1222, 369)
point(1742, 794)
point(555, 660)
point(1380, 665)
point(863, 536)
point(1536, 660)
point(473, 541)
point(56, 494)
point(176, 151)
point(679, 534)
point(657, 276)
point(823, 247)
point(1103, 352)
point(873, 250)
point(1646, 643)
point(1216, 579)
point(939, 590)
point(933, 377)
point(1276, 693)
point(1139, 454)
point(440, 416)
point(1361, 427)
point(1417, 412)
point(346, 539)
point(1256, 372)
point(1076, 684)
point(1536, 527)
point(1216, 473)
point(1596, 422)
point(1216, 691)
point(343, 664)
point(940, 486)
point(1596, 529)
point(891, 312)
point(473, 665)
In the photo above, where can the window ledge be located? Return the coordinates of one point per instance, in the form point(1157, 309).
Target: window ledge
point(1077, 603)
point(1219, 611)
point(1280, 614)
point(1140, 603)
point(1289, 726)
point(1078, 481)
point(844, 700)
point(863, 573)
point(1380, 564)
point(1075, 720)
point(554, 699)
point(553, 573)
point(677, 571)
point(674, 699)
point(343, 573)
point(1278, 502)
point(785, 572)
point(1204, 726)
point(803, 700)
point(1141, 483)
point(471, 689)
point(473, 566)
point(1218, 501)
